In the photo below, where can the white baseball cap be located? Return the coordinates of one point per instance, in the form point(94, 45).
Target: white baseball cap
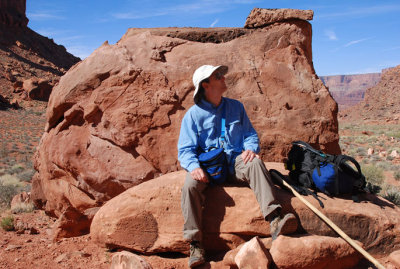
point(204, 72)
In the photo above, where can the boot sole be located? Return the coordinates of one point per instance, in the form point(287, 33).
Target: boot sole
point(288, 225)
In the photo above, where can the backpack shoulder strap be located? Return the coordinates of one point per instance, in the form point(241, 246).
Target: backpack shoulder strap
point(344, 158)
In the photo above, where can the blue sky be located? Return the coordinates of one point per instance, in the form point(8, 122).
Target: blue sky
point(349, 37)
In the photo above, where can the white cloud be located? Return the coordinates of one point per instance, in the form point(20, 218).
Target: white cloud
point(199, 7)
point(331, 34)
point(356, 42)
point(135, 15)
point(214, 23)
point(43, 16)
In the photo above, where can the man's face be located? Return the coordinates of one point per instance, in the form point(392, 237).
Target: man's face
point(216, 83)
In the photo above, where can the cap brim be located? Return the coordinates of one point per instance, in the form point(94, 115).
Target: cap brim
point(222, 68)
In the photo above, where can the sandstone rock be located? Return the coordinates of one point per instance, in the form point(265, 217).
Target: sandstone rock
point(394, 154)
point(12, 13)
point(128, 260)
point(21, 199)
point(382, 154)
point(25, 53)
point(37, 89)
point(370, 151)
point(313, 252)
point(260, 17)
point(147, 218)
point(114, 118)
point(394, 258)
point(229, 258)
point(14, 104)
point(253, 255)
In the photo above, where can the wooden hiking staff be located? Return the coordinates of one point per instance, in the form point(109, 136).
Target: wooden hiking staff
point(333, 226)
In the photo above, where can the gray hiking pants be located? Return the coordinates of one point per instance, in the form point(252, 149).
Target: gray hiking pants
point(254, 173)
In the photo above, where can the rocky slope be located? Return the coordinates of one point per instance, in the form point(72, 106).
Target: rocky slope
point(30, 64)
point(113, 120)
point(348, 90)
point(381, 102)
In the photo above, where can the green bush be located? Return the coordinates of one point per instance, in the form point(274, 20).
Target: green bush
point(373, 174)
point(23, 208)
point(372, 188)
point(15, 169)
point(392, 194)
point(26, 175)
point(397, 175)
point(7, 192)
point(7, 223)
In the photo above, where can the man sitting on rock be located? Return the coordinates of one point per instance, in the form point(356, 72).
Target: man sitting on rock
point(200, 131)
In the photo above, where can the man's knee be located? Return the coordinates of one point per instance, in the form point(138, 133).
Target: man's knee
point(256, 162)
point(192, 185)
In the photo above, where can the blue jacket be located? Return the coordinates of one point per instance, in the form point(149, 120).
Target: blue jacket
point(201, 130)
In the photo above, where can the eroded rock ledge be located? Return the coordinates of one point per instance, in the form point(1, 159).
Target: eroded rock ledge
point(113, 120)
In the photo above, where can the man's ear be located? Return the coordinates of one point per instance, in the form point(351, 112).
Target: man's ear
point(204, 84)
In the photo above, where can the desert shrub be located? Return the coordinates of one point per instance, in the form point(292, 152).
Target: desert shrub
point(372, 188)
point(395, 134)
point(10, 185)
point(26, 175)
point(365, 161)
point(7, 223)
point(16, 168)
point(383, 165)
point(397, 175)
point(7, 192)
point(8, 179)
point(389, 158)
point(23, 208)
point(360, 151)
point(392, 194)
point(360, 139)
point(373, 174)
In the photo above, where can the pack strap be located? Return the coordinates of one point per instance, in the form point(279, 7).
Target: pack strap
point(344, 158)
point(223, 125)
point(307, 146)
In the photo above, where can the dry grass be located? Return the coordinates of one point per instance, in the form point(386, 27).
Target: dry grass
point(381, 170)
point(20, 132)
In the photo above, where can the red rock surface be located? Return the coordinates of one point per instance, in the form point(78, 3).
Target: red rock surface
point(24, 54)
point(260, 17)
point(348, 90)
point(114, 118)
point(147, 218)
point(253, 254)
point(317, 252)
point(12, 13)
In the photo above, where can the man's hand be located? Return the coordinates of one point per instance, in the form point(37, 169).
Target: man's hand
point(248, 156)
point(198, 174)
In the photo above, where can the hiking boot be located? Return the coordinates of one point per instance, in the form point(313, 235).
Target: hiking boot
point(196, 254)
point(285, 225)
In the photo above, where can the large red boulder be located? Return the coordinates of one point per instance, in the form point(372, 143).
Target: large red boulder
point(147, 218)
point(113, 120)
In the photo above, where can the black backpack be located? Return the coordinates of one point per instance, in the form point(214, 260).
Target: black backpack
point(330, 174)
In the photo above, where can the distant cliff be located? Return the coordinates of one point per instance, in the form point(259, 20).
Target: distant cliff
point(348, 90)
point(30, 64)
point(381, 102)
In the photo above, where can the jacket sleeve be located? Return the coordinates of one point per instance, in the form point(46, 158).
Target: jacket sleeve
point(250, 137)
point(188, 143)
